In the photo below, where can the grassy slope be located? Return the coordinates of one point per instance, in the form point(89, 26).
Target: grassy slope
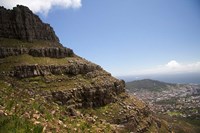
point(24, 100)
point(26, 103)
point(182, 125)
point(15, 43)
point(29, 105)
point(25, 107)
point(6, 64)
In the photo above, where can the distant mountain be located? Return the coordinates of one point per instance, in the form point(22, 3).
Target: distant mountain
point(147, 84)
point(182, 78)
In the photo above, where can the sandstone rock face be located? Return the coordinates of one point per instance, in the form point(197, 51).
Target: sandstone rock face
point(52, 52)
point(90, 96)
point(26, 71)
point(96, 94)
point(21, 23)
point(5, 52)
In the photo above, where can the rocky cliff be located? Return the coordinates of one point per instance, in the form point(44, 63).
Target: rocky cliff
point(21, 23)
point(53, 52)
point(20, 30)
point(48, 88)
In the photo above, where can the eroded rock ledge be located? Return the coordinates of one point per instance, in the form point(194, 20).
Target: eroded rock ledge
point(25, 71)
point(52, 52)
point(90, 96)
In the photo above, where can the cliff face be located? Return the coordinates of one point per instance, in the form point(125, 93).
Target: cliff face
point(52, 52)
point(49, 86)
point(21, 23)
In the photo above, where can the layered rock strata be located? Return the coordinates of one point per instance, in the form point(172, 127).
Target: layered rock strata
point(52, 52)
point(90, 96)
point(26, 71)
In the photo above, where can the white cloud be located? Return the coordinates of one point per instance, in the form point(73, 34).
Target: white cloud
point(173, 64)
point(170, 68)
point(42, 6)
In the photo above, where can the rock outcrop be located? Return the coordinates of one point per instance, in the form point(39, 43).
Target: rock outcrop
point(90, 96)
point(21, 23)
point(52, 52)
point(27, 71)
point(5, 52)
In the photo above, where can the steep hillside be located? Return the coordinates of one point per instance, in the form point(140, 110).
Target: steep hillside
point(45, 87)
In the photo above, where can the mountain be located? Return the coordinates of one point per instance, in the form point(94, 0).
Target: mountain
point(21, 23)
point(45, 87)
point(182, 78)
point(147, 84)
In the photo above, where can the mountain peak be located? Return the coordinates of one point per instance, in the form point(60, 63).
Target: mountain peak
point(21, 23)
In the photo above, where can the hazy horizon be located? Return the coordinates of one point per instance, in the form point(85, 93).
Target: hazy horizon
point(182, 78)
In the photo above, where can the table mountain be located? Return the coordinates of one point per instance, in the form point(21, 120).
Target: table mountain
point(45, 87)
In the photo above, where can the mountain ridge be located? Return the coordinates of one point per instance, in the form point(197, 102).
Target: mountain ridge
point(148, 84)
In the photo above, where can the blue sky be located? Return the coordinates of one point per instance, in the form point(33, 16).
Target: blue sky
point(130, 37)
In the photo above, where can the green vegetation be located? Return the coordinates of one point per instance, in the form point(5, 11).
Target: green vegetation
point(8, 62)
point(167, 101)
point(15, 124)
point(193, 120)
point(174, 113)
point(16, 43)
point(154, 127)
point(27, 104)
point(25, 109)
point(182, 125)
